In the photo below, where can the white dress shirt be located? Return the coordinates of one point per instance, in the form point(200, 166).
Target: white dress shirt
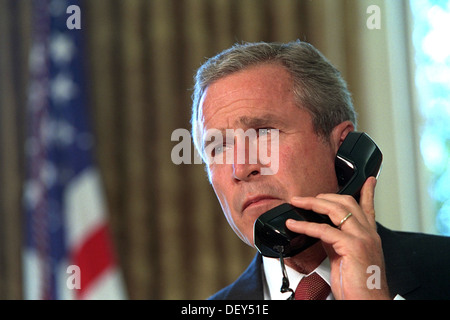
point(272, 278)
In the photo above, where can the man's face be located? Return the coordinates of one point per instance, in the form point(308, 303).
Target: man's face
point(261, 97)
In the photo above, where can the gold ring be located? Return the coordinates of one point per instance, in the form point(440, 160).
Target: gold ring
point(343, 220)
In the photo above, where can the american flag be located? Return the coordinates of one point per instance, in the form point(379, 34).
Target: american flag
point(68, 253)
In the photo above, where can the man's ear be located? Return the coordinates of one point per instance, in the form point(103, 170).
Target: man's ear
point(340, 132)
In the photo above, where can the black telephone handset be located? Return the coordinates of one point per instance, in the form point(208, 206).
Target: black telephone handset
point(357, 159)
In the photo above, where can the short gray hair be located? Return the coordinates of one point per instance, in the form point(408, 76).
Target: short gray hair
point(318, 85)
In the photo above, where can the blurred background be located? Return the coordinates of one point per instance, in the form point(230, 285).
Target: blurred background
point(128, 70)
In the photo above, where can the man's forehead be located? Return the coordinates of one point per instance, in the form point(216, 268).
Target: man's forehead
point(220, 98)
point(263, 82)
point(256, 105)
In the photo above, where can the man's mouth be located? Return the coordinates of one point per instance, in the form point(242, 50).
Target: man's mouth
point(259, 201)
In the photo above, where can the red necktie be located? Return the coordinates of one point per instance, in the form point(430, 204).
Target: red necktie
point(312, 287)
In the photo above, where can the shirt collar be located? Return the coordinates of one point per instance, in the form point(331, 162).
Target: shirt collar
point(272, 277)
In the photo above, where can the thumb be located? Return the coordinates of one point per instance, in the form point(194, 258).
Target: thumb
point(366, 200)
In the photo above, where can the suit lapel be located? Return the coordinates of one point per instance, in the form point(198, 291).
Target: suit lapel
point(249, 285)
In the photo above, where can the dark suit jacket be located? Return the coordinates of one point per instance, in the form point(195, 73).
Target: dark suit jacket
point(417, 267)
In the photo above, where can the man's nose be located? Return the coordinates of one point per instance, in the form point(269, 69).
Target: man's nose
point(245, 172)
point(245, 165)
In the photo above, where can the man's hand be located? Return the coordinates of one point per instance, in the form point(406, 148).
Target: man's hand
point(353, 247)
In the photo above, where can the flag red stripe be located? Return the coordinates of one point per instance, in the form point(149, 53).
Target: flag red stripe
point(93, 257)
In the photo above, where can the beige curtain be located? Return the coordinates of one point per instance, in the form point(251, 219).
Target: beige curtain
point(170, 234)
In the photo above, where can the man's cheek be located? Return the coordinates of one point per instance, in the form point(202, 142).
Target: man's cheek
point(269, 154)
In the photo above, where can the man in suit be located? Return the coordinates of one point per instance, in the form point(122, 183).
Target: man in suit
point(290, 94)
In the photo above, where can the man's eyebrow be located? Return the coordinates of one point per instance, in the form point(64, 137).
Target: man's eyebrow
point(246, 122)
point(255, 122)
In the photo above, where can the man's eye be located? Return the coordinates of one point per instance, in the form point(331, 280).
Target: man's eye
point(219, 149)
point(264, 131)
